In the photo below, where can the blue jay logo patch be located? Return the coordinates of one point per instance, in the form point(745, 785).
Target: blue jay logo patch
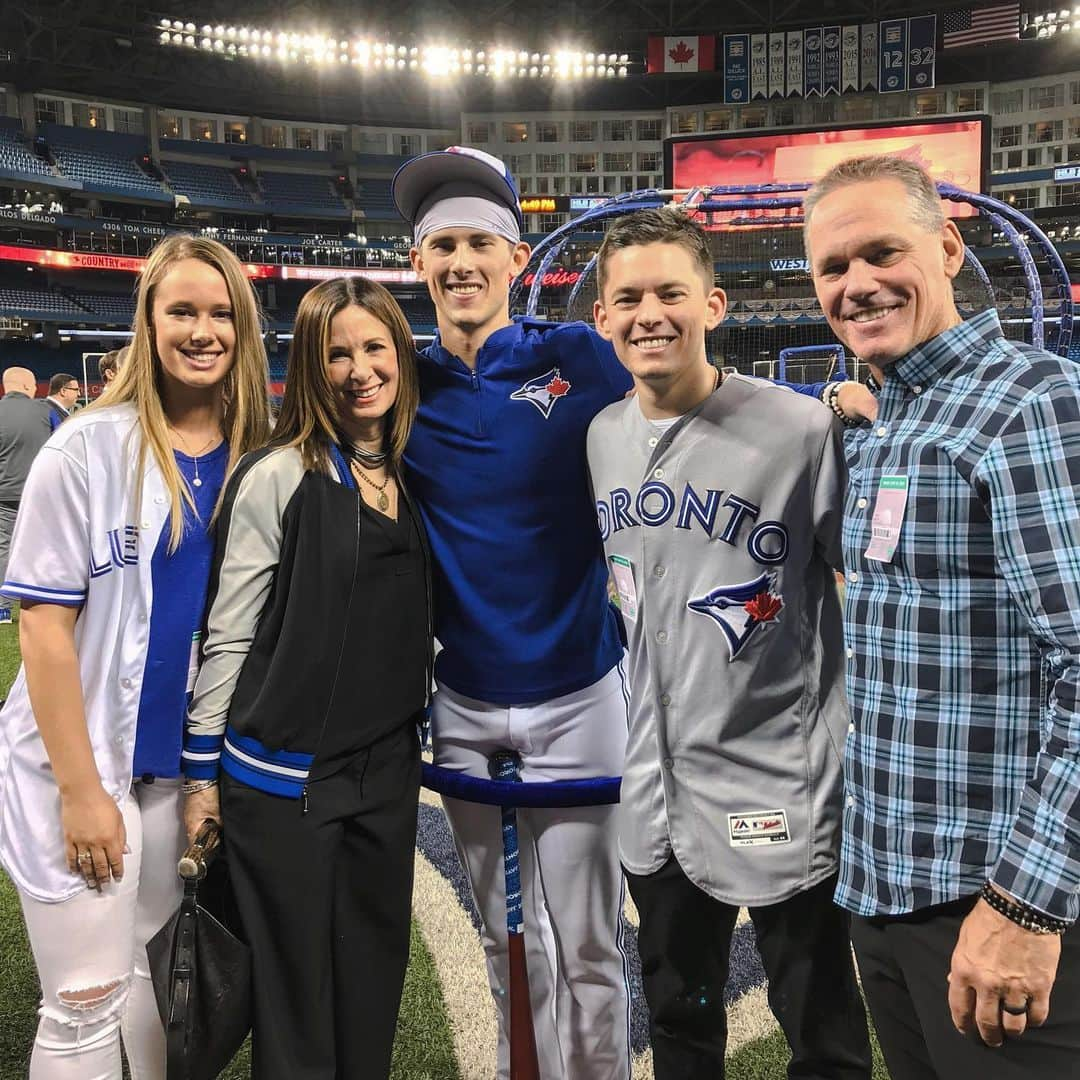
point(741, 610)
point(543, 391)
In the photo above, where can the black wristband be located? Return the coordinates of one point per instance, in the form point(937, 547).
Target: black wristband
point(1022, 914)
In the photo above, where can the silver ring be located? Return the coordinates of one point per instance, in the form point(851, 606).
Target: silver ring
point(1014, 1010)
point(85, 856)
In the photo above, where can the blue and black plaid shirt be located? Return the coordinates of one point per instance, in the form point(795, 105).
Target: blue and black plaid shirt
point(963, 761)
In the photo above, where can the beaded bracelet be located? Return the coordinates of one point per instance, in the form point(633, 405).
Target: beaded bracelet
point(1022, 914)
point(828, 398)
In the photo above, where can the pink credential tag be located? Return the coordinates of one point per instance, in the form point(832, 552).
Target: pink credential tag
point(888, 516)
point(622, 571)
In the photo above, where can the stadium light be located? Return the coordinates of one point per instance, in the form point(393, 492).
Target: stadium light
point(435, 60)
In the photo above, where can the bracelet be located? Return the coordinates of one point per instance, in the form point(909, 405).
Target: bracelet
point(193, 787)
point(1024, 915)
point(828, 399)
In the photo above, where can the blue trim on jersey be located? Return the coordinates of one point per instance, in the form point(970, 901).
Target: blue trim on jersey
point(279, 772)
point(497, 463)
point(44, 594)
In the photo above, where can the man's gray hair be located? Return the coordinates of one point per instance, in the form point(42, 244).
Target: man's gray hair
point(923, 199)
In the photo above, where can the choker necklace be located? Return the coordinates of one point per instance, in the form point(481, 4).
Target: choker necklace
point(370, 459)
point(382, 500)
point(196, 482)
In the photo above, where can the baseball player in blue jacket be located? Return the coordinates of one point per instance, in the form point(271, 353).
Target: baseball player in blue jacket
point(530, 647)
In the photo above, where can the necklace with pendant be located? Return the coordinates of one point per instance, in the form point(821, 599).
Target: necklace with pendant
point(196, 482)
point(382, 500)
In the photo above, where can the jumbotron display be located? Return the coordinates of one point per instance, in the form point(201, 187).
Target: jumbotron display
point(955, 151)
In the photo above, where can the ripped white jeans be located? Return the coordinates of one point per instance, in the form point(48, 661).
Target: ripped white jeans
point(90, 953)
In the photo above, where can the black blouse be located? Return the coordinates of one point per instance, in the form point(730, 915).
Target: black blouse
point(386, 653)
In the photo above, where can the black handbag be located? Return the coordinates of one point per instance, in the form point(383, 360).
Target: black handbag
point(201, 967)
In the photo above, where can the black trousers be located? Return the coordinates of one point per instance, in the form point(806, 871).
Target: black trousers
point(904, 963)
point(685, 941)
point(325, 900)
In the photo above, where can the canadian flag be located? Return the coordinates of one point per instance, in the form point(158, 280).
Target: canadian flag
point(668, 54)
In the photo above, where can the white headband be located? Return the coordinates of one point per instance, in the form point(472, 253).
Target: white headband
point(438, 211)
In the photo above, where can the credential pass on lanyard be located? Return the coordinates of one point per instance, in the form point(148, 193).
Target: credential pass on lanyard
point(888, 516)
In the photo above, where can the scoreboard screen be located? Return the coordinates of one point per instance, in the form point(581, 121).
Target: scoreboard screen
point(951, 150)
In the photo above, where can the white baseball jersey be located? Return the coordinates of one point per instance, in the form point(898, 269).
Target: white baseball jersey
point(84, 538)
point(721, 533)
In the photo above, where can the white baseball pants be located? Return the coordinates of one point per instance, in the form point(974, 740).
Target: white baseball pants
point(571, 879)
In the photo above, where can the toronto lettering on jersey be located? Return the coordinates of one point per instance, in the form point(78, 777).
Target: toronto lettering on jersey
point(655, 504)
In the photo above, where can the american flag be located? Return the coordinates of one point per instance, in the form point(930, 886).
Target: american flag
point(968, 27)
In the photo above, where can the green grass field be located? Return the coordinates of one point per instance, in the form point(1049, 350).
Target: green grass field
point(424, 1049)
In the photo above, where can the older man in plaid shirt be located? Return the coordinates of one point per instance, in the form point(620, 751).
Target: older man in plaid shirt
point(961, 848)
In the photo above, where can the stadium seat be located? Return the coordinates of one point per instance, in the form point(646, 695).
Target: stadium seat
point(206, 184)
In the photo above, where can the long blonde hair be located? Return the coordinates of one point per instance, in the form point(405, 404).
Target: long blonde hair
point(246, 421)
point(308, 418)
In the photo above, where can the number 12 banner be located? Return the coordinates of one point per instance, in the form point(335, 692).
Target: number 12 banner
point(892, 55)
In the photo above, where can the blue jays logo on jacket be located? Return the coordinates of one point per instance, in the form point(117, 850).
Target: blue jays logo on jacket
point(543, 391)
point(741, 610)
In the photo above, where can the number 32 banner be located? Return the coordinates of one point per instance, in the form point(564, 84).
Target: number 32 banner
point(906, 54)
point(922, 38)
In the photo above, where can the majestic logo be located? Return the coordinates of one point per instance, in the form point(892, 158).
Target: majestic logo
point(741, 610)
point(543, 392)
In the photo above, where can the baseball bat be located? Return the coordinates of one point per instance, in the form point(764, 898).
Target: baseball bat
point(504, 765)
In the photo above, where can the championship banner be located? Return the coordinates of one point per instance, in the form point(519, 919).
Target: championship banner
point(922, 39)
point(868, 56)
point(812, 50)
point(736, 68)
point(849, 61)
point(830, 60)
point(759, 67)
point(793, 79)
point(892, 51)
point(776, 65)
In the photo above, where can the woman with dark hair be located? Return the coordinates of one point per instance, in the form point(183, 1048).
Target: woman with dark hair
point(315, 674)
point(111, 557)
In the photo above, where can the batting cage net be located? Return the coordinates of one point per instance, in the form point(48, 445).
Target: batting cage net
point(774, 326)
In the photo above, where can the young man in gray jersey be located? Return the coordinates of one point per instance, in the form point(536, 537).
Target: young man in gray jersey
point(719, 502)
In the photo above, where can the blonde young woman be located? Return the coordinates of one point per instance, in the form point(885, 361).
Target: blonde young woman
point(316, 670)
point(110, 559)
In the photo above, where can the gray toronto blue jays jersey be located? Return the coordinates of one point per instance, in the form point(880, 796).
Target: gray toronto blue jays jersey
point(722, 533)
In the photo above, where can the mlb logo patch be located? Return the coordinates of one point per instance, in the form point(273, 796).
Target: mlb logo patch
point(543, 392)
point(758, 827)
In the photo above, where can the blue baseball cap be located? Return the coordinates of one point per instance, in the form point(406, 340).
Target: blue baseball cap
point(422, 175)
